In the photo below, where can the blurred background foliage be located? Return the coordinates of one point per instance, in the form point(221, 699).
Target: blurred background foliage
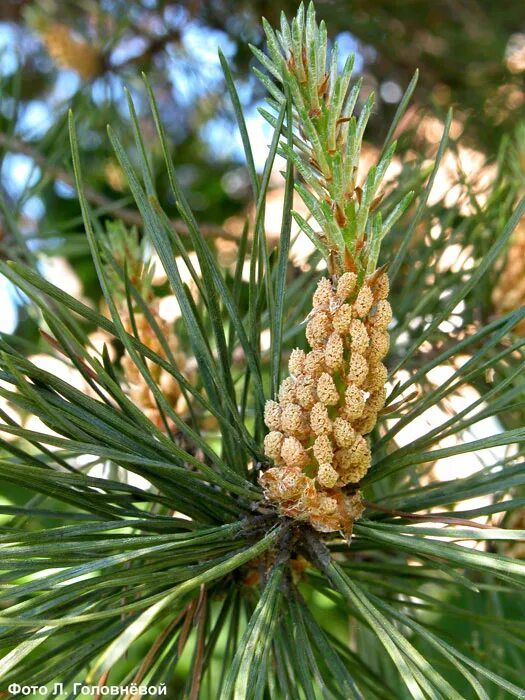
point(54, 55)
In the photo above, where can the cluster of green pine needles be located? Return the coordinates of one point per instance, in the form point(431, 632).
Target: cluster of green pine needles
point(194, 581)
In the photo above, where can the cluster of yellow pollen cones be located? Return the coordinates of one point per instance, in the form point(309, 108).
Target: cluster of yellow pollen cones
point(138, 389)
point(68, 51)
point(509, 292)
point(327, 405)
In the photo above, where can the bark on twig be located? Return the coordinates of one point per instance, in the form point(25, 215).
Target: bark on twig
point(435, 518)
point(128, 216)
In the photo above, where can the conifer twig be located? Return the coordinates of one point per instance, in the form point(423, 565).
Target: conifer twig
point(128, 216)
point(435, 518)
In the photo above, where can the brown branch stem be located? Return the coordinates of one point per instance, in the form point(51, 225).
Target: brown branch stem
point(436, 518)
point(155, 46)
point(128, 216)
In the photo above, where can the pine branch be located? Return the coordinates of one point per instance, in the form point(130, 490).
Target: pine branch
point(196, 561)
point(430, 517)
point(128, 216)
